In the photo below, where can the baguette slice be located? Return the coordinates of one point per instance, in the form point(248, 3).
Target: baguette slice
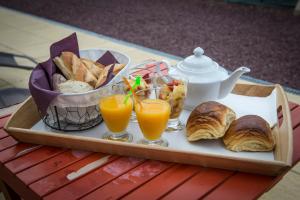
point(118, 68)
point(90, 78)
point(103, 76)
point(78, 69)
point(92, 67)
point(63, 68)
point(74, 69)
point(82, 73)
point(99, 65)
point(67, 58)
point(65, 63)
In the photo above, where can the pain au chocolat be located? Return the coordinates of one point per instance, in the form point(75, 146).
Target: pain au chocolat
point(209, 120)
point(249, 133)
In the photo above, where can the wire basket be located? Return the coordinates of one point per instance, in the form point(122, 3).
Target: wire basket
point(80, 111)
point(72, 118)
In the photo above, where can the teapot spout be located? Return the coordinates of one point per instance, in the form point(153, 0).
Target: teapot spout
point(228, 84)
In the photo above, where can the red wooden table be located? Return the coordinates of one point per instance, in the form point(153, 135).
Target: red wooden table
point(36, 172)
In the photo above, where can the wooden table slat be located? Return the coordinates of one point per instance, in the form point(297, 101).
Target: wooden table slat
point(33, 158)
point(296, 143)
point(164, 183)
point(3, 120)
point(95, 179)
point(51, 165)
point(295, 115)
point(292, 106)
point(242, 186)
point(3, 133)
point(130, 180)
point(199, 185)
point(16, 151)
point(59, 179)
point(7, 142)
point(17, 185)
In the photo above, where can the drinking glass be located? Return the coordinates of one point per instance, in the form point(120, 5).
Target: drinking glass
point(173, 90)
point(152, 115)
point(145, 84)
point(116, 112)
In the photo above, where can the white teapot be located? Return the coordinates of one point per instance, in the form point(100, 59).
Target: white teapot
point(207, 80)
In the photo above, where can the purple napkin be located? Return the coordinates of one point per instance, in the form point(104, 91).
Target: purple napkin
point(40, 82)
point(107, 58)
point(40, 87)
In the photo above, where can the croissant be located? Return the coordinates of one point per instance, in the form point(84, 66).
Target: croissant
point(249, 133)
point(209, 120)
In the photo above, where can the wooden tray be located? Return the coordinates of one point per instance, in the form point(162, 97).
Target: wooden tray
point(27, 115)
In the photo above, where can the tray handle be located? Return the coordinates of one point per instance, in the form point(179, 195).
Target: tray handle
point(283, 130)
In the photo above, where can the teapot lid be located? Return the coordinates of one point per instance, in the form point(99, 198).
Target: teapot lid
point(201, 67)
point(198, 63)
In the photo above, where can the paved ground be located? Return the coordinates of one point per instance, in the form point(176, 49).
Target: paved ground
point(23, 34)
point(265, 38)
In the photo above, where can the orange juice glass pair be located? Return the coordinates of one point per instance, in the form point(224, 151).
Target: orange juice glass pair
point(116, 112)
point(152, 114)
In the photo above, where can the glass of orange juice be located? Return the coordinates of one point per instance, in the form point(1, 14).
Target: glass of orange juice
point(173, 89)
point(152, 115)
point(116, 112)
point(145, 83)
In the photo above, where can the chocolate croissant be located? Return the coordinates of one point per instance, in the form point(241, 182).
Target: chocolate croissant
point(209, 120)
point(249, 133)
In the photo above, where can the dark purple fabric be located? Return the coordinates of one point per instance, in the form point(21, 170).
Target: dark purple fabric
point(107, 58)
point(70, 44)
point(40, 82)
point(40, 88)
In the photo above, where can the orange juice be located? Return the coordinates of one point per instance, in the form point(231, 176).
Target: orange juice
point(115, 112)
point(152, 116)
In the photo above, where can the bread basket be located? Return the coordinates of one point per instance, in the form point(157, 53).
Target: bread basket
point(80, 111)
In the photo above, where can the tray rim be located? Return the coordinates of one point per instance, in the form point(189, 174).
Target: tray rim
point(53, 134)
point(19, 134)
